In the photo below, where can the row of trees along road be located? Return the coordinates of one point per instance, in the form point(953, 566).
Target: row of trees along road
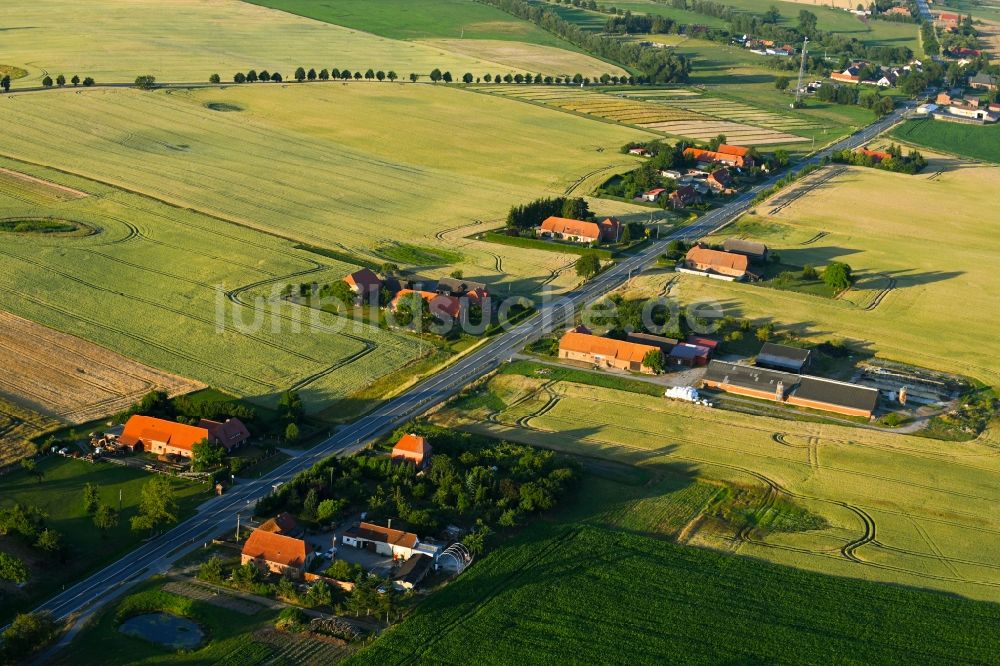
point(48, 82)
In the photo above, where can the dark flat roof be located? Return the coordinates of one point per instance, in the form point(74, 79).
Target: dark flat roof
point(837, 393)
point(665, 344)
point(784, 352)
point(688, 351)
point(749, 376)
point(458, 285)
point(414, 569)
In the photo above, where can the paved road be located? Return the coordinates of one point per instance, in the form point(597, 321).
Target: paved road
point(220, 513)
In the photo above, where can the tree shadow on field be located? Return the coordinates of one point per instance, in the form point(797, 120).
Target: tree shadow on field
point(815, 256)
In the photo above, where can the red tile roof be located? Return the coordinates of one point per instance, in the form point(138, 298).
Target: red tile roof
point(877, 154)
point(568, 227)
point(277, 548)
point(728, 149)
point(412, 444)
point(717, 259)
point(148, 429)
point(364, 280)
point(373, 532)
point(229, 434)
point(283, 523)
point(582, 343)
point(439, 304)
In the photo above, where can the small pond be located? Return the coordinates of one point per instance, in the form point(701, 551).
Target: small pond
point(165, 629)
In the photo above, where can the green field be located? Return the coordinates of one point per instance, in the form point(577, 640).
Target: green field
point(427, 19)
point(152, 282)
point(578, 590)
point(980, 142)
point(897, 508)
point(60, 496)
point(425, 166)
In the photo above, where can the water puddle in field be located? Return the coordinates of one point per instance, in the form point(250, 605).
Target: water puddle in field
point(164, 629)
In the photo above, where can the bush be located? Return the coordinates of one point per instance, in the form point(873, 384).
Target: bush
point(343, 570)
point(291, 619)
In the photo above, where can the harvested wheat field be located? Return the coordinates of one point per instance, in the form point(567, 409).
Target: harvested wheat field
point(528, 57)
point(69, 379)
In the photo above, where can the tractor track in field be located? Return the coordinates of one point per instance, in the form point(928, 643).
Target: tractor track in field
point(817, 237)
point(579, 181)
point(805, 188)
point(440, 235)
point(880, 296)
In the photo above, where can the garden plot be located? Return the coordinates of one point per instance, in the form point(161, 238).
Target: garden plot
point(687, 116)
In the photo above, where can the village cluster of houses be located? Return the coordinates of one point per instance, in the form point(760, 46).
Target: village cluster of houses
point(883, 76)
point(764, 46)
point(278, 545)
point(956, 106)
point(731, 263)
point(712, 174)
point(445, 297)
point(579, 344)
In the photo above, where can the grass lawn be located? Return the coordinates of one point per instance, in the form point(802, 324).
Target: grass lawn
point(227, 633)
point(929, 502)
point(981, 142)
point(584, 586)
point(60, 496)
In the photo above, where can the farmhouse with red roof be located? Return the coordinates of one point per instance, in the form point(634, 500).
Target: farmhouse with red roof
point(412, 448)
point(272, 552)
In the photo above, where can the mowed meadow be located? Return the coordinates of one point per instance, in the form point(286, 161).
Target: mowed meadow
point(923, 249)
point(354, 167)
point(184, 292)
point(196, 38)
point(898, 508)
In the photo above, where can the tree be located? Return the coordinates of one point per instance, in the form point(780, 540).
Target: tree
point(357, 75)
point(75, 80)
point(319, 595)
point(380, 75)
point(837, 276)
point(27, 633)
point(13, 569)
point(369, 75)
point(5, 83)
point(47, 81)
point(291, 433)
point(300, 75)
point(49, 541)
point(239, 77)
point(105, 518)
point(334, 73)
point(807, 22)
point(29, 466)
point(252, 76)
point(264, 76)
point(91, 498)
point(245, 576)
point(345, 75)
point(329, 508)
point(145, 82)
point(781, 82)
point(446, 77)
point(60, 80)
point(276, 77)
point(588, 265)
point(414, 77)
point(809, 273)
point(475, 541)
point(88, 81)
point(467, 78)
point(290, 405)
point(764, 332)
point(389, 268)
point(215, 78)
point(157, 504)
point(654, 360)
point(206, 455)
point(211, 570)
point(410, 309)
point(392, 76)
point(344, 570)
point(324, 75)
point(435, 75)
point(311, 74)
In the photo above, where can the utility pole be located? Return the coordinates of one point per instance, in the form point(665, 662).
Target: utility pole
point(237, 527)
point(802, 70)
point(119, 500)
